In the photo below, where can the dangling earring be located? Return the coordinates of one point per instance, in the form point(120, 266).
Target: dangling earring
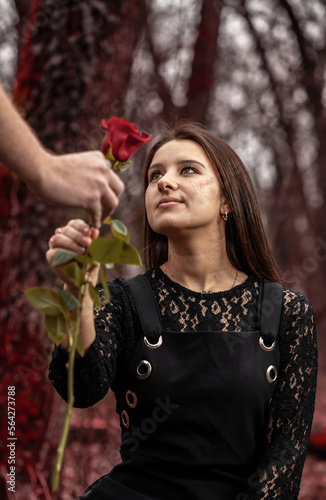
point(225, 216)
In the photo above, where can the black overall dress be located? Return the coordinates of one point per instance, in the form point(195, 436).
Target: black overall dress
point(194, 407)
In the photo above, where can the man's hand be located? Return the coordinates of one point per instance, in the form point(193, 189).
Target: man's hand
point(80, 180)
point(74, 180)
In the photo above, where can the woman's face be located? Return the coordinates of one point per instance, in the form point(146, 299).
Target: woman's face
point(183, 192)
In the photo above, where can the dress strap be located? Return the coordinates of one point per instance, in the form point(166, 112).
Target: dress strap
point(146, 306)
point(269, 309)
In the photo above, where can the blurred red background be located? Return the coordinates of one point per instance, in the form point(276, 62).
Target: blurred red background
point(254, 73)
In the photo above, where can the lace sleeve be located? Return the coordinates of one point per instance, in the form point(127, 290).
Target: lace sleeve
point(95, 372)
point(291, 411)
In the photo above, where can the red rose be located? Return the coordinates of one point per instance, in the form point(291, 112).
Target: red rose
point(122, 139)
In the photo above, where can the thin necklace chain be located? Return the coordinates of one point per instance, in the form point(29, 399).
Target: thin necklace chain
point(209, 291)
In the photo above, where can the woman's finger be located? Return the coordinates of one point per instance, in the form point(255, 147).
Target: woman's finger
point(71, 239)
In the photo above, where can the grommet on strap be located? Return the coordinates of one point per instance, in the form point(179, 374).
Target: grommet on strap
point(147, 307)
point(271, 374)
point(267, 347)
point(269, 308)
point(131, 399)
point(144, 369)
point(125, 419)
point(153, 346)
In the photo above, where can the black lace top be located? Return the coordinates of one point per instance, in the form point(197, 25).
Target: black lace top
point(282, 454)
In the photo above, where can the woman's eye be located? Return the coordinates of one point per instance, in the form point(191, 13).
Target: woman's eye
point(189, 170)
point(155, 176)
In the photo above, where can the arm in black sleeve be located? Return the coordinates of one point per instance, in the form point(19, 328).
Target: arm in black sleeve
point(95, 372)
point(286, 438)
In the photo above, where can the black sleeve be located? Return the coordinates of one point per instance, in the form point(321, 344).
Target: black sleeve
point(95, 372)
point(288, 427)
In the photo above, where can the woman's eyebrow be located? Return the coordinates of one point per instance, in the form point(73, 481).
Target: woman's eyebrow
point(155, 165)
point(179, 162)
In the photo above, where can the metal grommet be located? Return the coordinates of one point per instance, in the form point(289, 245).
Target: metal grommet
point(266, 347)
point(144, 369)
point(271, 374)
point(125, 418)
point(153, 346)
point(131, 399)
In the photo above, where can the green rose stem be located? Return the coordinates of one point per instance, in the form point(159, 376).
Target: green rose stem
point(68, 414)
point(73, 338)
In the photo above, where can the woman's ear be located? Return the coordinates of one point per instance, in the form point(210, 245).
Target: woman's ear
point(225, 207)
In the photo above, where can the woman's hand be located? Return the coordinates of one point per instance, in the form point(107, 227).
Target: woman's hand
point(75, 236)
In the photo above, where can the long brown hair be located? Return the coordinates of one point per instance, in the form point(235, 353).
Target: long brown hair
point(246, 243)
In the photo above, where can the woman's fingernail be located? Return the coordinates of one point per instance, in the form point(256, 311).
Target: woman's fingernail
point(85, 229)
point(81, 249)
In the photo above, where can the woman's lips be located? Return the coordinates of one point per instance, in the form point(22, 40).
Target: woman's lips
point(165, 202)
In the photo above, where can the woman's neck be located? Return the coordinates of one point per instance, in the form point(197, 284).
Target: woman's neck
point(201, 265)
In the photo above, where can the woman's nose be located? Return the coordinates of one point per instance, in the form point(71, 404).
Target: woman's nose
point(167, 181)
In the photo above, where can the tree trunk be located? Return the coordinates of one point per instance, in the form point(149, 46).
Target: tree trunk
point(26, 224)
point(202, 79)
point(75, 68)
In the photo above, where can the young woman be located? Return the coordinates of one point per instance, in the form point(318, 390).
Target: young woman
point(212, 362)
